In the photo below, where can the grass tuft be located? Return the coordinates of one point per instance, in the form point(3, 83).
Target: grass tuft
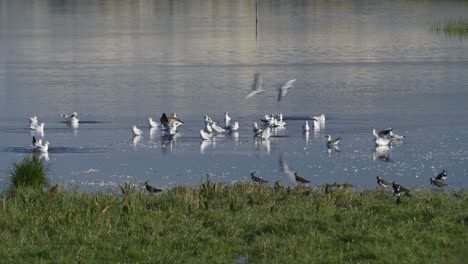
point(30, 173)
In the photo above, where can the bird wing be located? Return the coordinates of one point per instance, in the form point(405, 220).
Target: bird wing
point(164, 120)
point(285, 169)
point(252, 93)
point(288, 84)
point(258, 82)
point(384, 132)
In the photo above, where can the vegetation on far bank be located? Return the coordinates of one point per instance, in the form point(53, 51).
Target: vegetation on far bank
point(452, 27)
point(243, 223)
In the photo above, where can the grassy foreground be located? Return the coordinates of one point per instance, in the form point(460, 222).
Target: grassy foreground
point(243, 223)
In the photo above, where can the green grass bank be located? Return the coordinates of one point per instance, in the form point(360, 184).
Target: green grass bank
point(244, 223)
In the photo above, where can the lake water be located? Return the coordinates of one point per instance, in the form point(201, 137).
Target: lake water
point(364, 64)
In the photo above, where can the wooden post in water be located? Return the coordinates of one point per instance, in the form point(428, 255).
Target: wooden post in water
point(256, 19)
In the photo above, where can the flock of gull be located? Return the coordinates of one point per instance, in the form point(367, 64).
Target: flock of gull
point(170, 124)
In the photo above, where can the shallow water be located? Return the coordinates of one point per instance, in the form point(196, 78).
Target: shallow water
point(365, 65)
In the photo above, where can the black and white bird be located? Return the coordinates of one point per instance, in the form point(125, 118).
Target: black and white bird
point(332, 142)
point(234, 127)
point(382, 183)
point(442, 176)
point(437, 183)
point(151, 189)
point(381, 138)
point(257, 179)
point(70, 116)
point(398, 190)
point(300, 179)
point(36, 143)
point(320, 118)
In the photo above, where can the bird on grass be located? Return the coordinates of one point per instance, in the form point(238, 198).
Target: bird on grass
point(382, 183)
point(53, 192)
point(257, 179)
point(300, 179)
point(277, 187)
point(152, 189)
point(398, 190)
point(442, 176)
point(437, 183)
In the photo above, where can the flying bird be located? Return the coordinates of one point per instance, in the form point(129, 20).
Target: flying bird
point(257, 86)
point(284, 89)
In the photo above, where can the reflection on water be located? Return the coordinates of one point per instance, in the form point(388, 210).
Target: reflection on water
point(382, 153)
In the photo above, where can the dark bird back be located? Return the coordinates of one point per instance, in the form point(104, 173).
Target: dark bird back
point(442, 176)
point(151, 189)
point(258, 179)
point(437, 183)
point(300, 179)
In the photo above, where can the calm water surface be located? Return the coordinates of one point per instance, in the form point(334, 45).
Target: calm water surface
point(364, 64)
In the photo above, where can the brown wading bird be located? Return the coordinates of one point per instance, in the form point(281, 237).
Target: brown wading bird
point(258, 179)
point(152, 189)
point(299, 179)
point(53, 191)
point(170, 120)
point(382, 183)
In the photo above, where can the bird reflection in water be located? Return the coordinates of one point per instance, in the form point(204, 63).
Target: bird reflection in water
point(382, 153)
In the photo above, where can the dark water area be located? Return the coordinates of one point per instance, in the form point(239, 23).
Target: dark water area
point(363, 64)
